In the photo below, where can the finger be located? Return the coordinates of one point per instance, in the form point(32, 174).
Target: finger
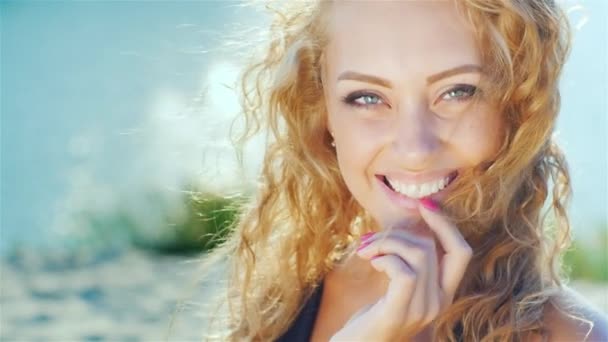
point(418, 252)
point(429, 244)
point(405, 233)
point(401, 286)
point(458, 252)
point(421, 258)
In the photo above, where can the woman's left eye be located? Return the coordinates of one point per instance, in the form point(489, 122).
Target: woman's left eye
point(461, 92)
point(362, 99)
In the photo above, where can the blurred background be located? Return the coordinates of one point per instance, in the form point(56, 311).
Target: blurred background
point(116, 163)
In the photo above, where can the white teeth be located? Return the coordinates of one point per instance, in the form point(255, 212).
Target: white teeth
point(401, 188)
point(436, 187)
point(419, 190)
point(426, 188)
point(410, 189)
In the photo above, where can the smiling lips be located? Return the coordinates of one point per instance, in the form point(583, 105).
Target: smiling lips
point(419, 190)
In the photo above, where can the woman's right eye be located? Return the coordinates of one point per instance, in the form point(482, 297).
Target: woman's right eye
point(362, 100)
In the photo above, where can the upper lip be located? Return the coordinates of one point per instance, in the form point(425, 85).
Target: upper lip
point(419, 178)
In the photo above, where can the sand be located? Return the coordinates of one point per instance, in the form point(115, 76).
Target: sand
point(129, 296)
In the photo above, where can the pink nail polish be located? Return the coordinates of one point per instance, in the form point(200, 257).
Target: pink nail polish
point(367, 236)
point(429, 204)
point(363, 245)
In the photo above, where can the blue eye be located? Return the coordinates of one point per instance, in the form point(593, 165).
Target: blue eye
point(362, 99)
point(461, 92)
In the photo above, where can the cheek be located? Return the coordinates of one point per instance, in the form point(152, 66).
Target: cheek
point(357, 138)
point(479, 137)
point(358, 143)
point(355, 145)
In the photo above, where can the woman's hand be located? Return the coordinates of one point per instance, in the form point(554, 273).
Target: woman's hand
point(420, 286)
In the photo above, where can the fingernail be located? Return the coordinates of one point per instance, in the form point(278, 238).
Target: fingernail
point(363, 245)
point(429, 204)
point(367, 236)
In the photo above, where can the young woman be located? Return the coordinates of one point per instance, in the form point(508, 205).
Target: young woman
point(403, 184)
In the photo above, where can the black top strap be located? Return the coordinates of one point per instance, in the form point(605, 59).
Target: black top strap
point(301, 329)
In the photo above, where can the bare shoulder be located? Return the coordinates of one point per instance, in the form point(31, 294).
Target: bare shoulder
point(570, 317)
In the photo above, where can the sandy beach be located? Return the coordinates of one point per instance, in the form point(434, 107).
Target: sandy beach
point(129, 296)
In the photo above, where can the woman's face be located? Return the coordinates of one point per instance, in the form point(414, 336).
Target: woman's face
point(399, 79)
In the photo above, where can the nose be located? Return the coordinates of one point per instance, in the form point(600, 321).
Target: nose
point(415, 140)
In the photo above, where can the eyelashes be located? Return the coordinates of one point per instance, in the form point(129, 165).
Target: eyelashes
point(365, 99)
point(466, 92)
point(352, 99)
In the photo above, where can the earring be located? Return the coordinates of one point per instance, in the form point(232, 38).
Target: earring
point(333, 143)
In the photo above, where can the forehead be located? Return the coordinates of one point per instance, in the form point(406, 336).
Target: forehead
point(411, 35)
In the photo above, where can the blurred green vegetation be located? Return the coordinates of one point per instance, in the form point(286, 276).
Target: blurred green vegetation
point(205, 222)
point(588, 259)
point(198, 222)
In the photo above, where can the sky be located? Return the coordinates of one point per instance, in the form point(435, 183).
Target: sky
point(102, 100)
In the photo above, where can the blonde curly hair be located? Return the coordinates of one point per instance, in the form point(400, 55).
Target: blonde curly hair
point(303, 217)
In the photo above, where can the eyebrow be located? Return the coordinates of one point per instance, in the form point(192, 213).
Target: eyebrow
point(355, 76)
